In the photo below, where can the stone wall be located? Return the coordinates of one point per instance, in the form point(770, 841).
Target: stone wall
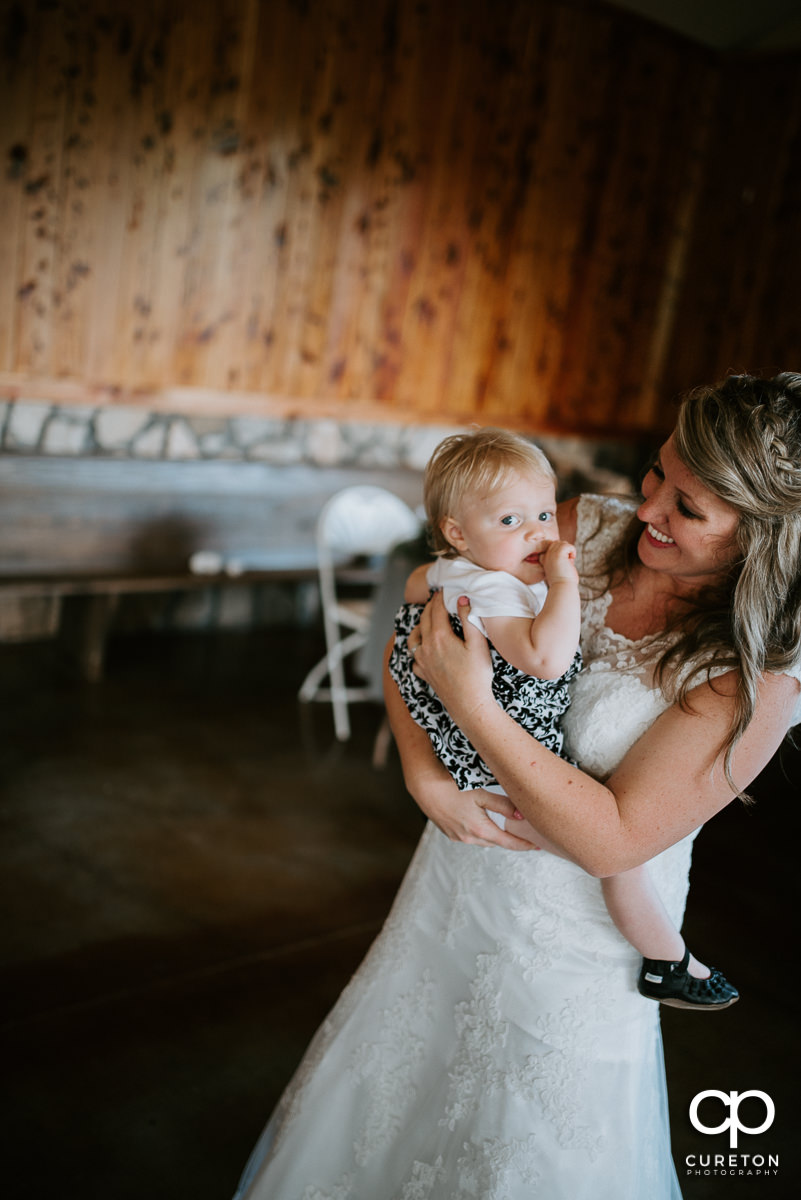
point(36, 427)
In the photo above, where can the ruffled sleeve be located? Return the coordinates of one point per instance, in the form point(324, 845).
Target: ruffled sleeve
point(601, 523)
point(492, 593)
point(795, 673)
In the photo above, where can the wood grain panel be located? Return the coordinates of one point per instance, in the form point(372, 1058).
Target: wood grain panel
point(542, 213)
point(740, 307)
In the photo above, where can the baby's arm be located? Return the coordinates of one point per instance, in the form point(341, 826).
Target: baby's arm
point(545, 646)
point(417, 590)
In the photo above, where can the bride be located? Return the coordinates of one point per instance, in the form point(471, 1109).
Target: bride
point(493, 1043)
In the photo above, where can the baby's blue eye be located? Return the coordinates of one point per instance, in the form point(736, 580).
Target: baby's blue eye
point(545, 516)
point(510, 519)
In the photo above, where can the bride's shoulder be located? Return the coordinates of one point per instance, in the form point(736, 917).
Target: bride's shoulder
point(567, 515)
point(599, 520)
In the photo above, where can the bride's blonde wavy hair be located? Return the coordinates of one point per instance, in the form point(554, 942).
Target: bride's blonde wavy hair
point(742, 439)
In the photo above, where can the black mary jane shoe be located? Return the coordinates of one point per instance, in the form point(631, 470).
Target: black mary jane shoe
point(671, 983)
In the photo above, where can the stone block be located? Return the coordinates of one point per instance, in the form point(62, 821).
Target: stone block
point(63, 435)
point(26, 424)
point(116, 428)
point(181, 442)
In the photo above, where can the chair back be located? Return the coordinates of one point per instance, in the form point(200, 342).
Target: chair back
point(363, 520)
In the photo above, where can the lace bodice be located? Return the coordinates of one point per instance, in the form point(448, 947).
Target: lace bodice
point(614, 700)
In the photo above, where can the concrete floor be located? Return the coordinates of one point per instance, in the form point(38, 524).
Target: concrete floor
point(192, 867)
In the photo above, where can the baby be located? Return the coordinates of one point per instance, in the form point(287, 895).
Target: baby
point(490, 500)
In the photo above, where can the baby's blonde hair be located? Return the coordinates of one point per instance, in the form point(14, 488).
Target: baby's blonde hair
point(479, 463)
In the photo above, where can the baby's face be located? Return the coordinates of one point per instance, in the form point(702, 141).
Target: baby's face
point(508, 529)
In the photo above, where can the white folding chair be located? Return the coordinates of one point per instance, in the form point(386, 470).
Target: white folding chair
point(358, 522)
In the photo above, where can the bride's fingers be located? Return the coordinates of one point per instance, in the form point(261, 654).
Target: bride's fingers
point(472, 634)
point(423, 640)
point(497, 803)
point(432, 614)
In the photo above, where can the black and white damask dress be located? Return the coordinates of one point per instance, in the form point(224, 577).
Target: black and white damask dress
point(536, 704)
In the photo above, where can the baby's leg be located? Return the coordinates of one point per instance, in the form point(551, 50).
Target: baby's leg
point(515, 825)
point(637, 910)
point(519, 826)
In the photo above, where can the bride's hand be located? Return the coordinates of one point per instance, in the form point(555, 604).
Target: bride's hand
point(458, 671)
point(462, 816)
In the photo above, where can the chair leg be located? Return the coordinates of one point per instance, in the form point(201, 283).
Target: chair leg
point(339, 699)
point(382, 743)
point(312, 682)
point(333, 666)
point(341, 718)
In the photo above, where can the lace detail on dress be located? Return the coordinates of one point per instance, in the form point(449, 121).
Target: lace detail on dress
point(494, 1167)
point(480, 1035)
point(604, 649)
point(557, 1078)
point(538, 911)
point(423, 1180)
point(291, 1102)
point(388, 1066)
point(465, 882)
point(340, 1191)
point(563, 1074)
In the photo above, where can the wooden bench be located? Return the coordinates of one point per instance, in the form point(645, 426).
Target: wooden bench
point(77, 534)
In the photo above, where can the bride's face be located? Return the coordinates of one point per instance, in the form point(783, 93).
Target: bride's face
point(689, 531)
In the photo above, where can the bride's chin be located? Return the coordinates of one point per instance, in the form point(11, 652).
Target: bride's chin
point(649, 554)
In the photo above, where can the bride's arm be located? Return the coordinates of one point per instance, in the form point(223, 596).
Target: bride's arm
point(669, 783)
point(460, 815)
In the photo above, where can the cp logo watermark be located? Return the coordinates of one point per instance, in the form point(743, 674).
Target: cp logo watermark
point(732, 1101)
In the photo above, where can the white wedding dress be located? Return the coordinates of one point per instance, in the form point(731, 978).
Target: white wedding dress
point(493, 1045)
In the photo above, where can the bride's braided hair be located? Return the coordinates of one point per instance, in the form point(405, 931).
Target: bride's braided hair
point(742, 439)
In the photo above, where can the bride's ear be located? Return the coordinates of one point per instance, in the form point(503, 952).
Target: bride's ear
point(452, 532)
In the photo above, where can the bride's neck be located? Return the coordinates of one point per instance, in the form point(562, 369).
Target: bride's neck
point(645, 603)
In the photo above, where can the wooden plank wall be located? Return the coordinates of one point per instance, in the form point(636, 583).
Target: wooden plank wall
point(513, 211)
point(740, 303)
